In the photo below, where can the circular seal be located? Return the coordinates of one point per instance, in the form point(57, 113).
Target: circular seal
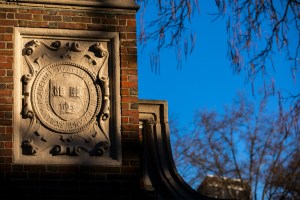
point(65, 97)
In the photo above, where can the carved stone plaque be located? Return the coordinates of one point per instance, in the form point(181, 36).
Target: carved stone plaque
point(65, 98)
point(62, 102)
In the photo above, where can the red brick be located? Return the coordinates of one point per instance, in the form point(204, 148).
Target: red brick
point(36, 11)
point(134, 120)
point(96, 27)
point(126, 16)
point(22, 23)
point(2, 15)
point(132, 78)
point(6, 52)
point(130, 112)
point(110, 21)
point(66, 13)
point(2, 115)
point(133, 91)
point(5, 92)
point(52, 18)
point(52, 12)
point(9, 45)
point(123, 36)
point(96, 14)
point(9, 22)
point(37, 17)
point(6, 37)
point(5, 137)
point(3, 86)
point(10, 15)
point(126, 29)
point(124, 106)
point(71, 25)
point(10, 59)
point(97, 20)
point(8, 115)
point(6, 79)
point(131, 23)
point(132, 65)
point(8, 130)
point(23, 16)
point(6, 65)
point(8, 145)
point(5, 152)
point(2, 73)
point(10, 86)
point(128, 84)
point(9, 30)
point(6, 100)
point(37, 24)
point(129, 71)
point(111, 28)
point(22, 10)
point(124, 78)
point(9, 72)
point(8, 9)
point(5, 107)
point(82, 19)
point(123, 50)
point(132, 58)
point(131, 43)
point(130, 99)
point(131, 36)
point(122, 22)
point(124, 92)
point(67, 19)
point(125, 119)
point(129, 127)
point(2, 59)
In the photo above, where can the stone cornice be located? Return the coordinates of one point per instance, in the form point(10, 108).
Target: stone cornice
point(119, 4)
point(160, 172)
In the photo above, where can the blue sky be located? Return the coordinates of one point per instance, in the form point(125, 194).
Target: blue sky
point(206, 80)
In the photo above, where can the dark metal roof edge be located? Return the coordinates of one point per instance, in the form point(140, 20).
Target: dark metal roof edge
point(103, 4)
point(158, 155)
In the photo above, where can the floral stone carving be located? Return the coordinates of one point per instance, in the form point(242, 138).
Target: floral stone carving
point(66, 99)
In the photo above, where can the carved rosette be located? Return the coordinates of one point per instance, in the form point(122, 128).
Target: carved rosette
point(66, 98)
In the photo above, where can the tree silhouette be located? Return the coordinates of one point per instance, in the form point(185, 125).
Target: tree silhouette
point(252, 145)
point(256, 30)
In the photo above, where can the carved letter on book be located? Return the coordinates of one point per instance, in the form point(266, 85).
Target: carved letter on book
point(65, 111)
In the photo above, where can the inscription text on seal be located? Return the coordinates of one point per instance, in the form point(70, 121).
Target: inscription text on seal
point(65, 98)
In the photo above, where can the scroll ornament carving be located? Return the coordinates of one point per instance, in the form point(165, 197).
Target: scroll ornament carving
point(65, 98)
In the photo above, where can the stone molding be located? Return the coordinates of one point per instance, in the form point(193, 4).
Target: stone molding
point(66, 97)
point(119, 4)
point(159, 169)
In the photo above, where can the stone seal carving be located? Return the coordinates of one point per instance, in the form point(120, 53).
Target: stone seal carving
point(66, 98)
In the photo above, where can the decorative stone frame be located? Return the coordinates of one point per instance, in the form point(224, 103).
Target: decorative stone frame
point(112, 94)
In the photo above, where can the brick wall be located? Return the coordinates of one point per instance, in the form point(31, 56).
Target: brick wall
point(76, 181)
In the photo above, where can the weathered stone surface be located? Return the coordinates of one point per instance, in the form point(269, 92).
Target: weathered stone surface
point(62, 97)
